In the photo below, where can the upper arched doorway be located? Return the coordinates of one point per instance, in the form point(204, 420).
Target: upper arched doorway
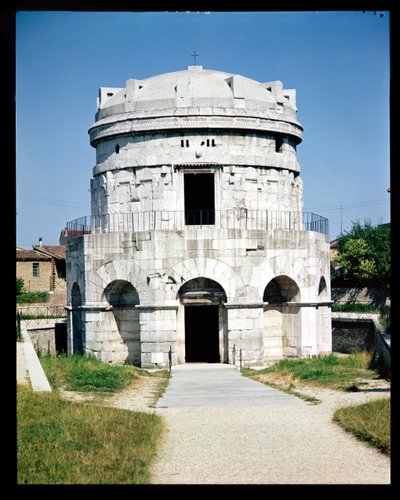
point(201, 321)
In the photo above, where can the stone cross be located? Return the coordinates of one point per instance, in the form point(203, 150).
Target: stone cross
point(194, 55)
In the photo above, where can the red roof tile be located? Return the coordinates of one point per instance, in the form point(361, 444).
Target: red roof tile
point(31, 255)
point(56, 251)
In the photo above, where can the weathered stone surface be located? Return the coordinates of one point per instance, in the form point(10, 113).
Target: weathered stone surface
point(142, 248)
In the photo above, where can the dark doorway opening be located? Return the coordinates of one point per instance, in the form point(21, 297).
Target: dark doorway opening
point(60, 332)
point(199, 199)
point(201, 334)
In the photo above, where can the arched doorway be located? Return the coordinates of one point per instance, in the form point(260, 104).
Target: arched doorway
point(202, 322)
point(77, 334)
point(282, 325)
point(123, 321)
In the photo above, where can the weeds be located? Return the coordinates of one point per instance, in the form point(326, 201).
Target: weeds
point(161, 387)
point(369, 422)
point(86, 374)
point(64, 442)
point(355, 307)
point(32, 297)
point(324, 371)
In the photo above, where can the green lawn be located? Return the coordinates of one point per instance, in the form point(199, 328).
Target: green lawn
point(324, 371)
point(369, 422)
point(87, 374)
point(65, 442)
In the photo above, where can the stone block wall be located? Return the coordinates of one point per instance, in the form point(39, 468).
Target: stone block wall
point(160, 262)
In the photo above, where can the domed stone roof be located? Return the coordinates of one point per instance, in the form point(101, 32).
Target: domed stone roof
point(223, 100)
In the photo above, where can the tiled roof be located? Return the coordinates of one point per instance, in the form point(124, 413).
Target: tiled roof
point(56, 251)
point(31, 255)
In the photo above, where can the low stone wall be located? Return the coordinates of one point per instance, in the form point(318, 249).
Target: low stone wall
point(357, 334)
point(50, 338)
point(28, 357)
point(348, 336)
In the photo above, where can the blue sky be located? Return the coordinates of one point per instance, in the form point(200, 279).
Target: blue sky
point(338, 62)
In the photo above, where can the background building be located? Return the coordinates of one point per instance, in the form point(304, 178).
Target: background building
point(197, 241)
point(43, 269)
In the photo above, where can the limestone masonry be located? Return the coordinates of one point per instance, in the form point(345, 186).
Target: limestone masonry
point(197, 246)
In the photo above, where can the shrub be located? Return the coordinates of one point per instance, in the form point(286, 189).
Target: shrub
point(32, 297)
point(354, 307)
point(20, 285)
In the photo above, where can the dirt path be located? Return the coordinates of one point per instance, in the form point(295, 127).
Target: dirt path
point(138, 396)
point(269, 444)
point(259, 444)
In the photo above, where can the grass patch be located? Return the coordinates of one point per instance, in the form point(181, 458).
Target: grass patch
point(290, 390)
point(355, 307)
point(86, 374)
point(64, 442)
point(165, 376)
point(324, 371)
point(32, 297)
point(41, 316)
point(369, 422)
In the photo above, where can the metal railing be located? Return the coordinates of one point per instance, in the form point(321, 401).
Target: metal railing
point(178, 220)
point(40, 314)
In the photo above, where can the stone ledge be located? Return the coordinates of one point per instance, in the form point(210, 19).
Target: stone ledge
point(37, 376)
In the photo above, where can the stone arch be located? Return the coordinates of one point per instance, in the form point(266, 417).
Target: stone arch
point(77, 324)
point(201, 322)
point(281, 289)
point(118, 270)
point(122, 322)
point(213, 269)
point(281, 265)
point(322, 289)
point(282, 321)
point(203, 290)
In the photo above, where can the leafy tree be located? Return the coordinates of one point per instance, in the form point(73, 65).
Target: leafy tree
point(364, 253)
point(20, 285)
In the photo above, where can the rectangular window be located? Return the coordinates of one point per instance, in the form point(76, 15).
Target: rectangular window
point(199, 199)
point(278, 144)
point(35, 269)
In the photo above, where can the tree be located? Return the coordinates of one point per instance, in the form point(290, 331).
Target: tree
point(364, 253)
point(20, 285)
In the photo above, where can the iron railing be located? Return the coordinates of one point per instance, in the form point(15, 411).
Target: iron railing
point(178, 220)
point(40, 314)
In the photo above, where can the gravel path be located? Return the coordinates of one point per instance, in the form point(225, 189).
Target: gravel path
point(271, 443)
point(233, 438)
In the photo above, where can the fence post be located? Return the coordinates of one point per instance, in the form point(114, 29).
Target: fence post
point(19, 337)
point(170, 358)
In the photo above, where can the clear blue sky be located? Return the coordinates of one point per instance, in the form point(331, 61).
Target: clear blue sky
point(338, 62)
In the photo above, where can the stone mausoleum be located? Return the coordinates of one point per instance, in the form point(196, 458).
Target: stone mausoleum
point(197, 248)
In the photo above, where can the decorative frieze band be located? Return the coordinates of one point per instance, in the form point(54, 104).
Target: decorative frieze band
point(131, 125)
